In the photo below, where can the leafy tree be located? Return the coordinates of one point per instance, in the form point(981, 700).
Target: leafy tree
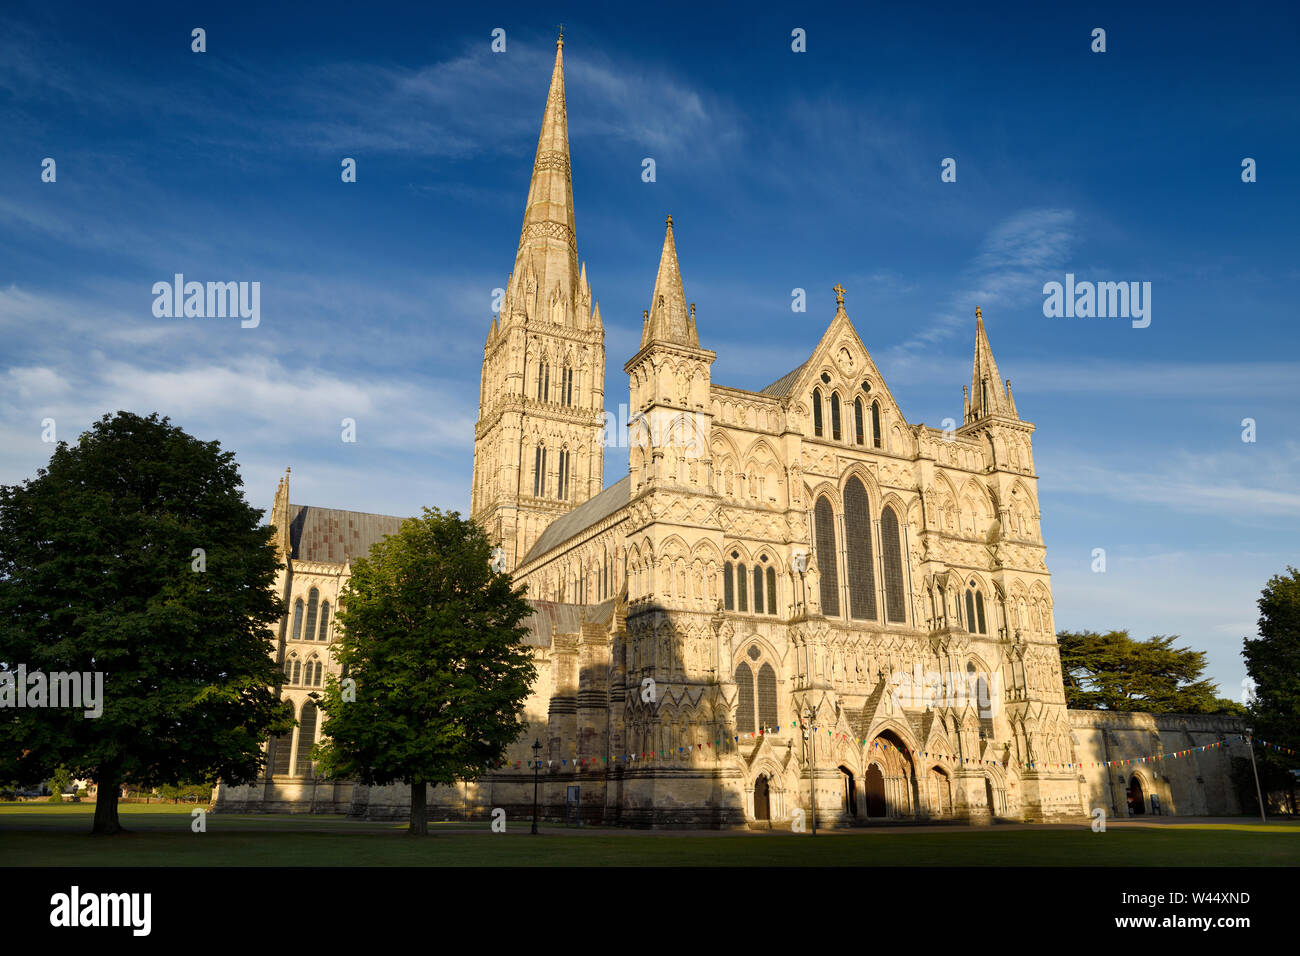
point(98, 573)
point(1273, 664)
point(60, 780)
point(433, 639)
point(1113, 671)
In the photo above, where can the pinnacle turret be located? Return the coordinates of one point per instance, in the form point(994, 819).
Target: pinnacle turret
point(987, 394)
point(669, 318)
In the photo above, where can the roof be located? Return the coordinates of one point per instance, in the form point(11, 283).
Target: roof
point(581, 518)
point(552, 617)
point(333, 536)
point(782, 386)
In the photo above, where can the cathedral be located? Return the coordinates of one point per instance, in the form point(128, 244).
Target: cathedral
point(795, 606)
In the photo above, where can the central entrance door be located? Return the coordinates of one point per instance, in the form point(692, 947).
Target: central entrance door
point(762, 806)
point(874, 785)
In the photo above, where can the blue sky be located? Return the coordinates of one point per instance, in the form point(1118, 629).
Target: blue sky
point(781, 170)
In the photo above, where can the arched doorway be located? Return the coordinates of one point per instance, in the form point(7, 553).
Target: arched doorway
point(874, 785)
point(1137, 803)
point(940, 792)
point(762, 803)
point(850, 791)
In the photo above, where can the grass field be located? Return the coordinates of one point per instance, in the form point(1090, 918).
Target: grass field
point(56, 835)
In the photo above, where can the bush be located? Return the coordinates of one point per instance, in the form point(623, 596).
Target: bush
point(55, 797)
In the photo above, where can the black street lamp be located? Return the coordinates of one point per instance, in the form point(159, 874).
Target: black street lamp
point(537, 764)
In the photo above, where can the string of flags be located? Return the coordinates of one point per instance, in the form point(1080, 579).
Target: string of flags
point(726, 746)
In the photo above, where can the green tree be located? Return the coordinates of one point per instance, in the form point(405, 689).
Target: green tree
point(99, 573)
point(1113, 671)
point(433, 639)
point(1273, 665)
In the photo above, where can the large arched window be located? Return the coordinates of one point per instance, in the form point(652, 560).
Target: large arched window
point(875, 425)
point(891, 563)
point(767, 697)
point(297, 620)
point(744, 699)
point(313, 599)
point(771, 590)
point(293, 670)
point(857, 539)
point(539, 471)
point(835, 416)
point(742, 589)
point(817, 412)
point(756, 699)
point(563, 492)
point(544, 382)
point(281, 748)
point(758, 590)
point(306, 738)
point(566, 385)
point(824, 526)
point(728, 588)
point(314, 672)
point(857, 421)
point(324, 633)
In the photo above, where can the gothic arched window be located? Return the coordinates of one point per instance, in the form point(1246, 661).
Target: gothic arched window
point(292, 670)
point(306, 738)
point(767, 697)
point(857, 539)
point(544, 382)
point(771, 590)
point(824, 526)
point(296, 634)
point(742, 588)
point(817, 412)
point(313, 599)
point(857, 421)
point(281, 747)
point(744, 699)
point(758, 590)
point(324, 633)
point(728, 588)
point(563, 491)
point(566, 385)
point(539, 471)
point(891, 563)
point(835, 416)
point(875, 425)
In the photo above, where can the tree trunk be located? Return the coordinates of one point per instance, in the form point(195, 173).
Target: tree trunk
point(419, 817)
point(110, 788)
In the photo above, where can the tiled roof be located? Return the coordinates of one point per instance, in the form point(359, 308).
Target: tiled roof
point(333, 536)
point(781, 387)
point(581, 518)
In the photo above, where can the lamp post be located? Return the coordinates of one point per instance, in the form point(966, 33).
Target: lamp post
point(537, 764)
point(1250, 743)
point(810, 736)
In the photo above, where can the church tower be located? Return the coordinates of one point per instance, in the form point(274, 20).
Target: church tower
point(539, 440)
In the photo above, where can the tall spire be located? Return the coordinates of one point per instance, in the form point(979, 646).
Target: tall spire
point(987, 396)
point(546, 264)
point(670, 320)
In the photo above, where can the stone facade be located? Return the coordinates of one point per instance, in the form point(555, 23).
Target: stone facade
point(776, 560)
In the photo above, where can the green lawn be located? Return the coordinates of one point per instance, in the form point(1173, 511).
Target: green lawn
point(56, 835)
